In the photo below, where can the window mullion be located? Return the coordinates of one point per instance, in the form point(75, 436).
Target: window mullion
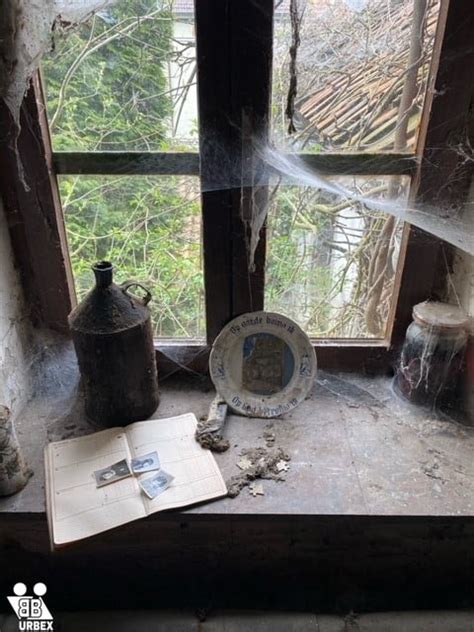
point(234, 52)
point(214, 94)
point(251, 58)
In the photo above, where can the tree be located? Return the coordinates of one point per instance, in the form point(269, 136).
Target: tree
point(108, 88)
point(106, 82)
point(330, 261)
point(362, 72)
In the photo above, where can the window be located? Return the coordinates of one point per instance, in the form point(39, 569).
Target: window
point(362, 74)
point(150, 227)
point(363, 68)
point(126, 82)
point(320, 251)
point(132, 131)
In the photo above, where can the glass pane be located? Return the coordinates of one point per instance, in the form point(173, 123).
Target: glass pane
point(126, 80)
point(150, 228)
point(331, 263)
point(355, 61)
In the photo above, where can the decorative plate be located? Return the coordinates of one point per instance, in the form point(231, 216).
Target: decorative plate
point(262, 364)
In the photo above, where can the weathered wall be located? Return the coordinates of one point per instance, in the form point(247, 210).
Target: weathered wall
point(14, 328)
point(464, 264)
point(464, 281)
point(462, 291)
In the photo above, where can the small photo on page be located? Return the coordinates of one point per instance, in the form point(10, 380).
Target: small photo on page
point(156, 484)
point(115, 472)
point(145, 463)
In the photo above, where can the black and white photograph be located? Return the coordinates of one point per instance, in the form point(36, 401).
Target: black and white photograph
point(113, 473)
point(156, 484)
point(145, 463)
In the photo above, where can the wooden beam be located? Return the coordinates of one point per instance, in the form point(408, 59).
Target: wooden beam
point(126, 163)
point(214, 93)
point(30, 195)
point(187, 164)
point(234, 100)
point(251, 66)
point(360, 164)
point(253, 560)
point(370, 357)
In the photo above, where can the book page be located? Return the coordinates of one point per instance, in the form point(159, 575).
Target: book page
point(196, 475)
point(78, 508)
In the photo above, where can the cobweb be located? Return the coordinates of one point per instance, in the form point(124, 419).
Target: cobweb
point(387, 36)
point(26, 34)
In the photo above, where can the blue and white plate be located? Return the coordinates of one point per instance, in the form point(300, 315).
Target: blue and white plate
point(262, 364)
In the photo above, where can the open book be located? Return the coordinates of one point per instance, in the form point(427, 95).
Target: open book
point(78, 509)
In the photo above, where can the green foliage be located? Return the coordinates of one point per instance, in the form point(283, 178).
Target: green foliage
point(106, 81)
point(298, 277)
point(108, 89)
point(150, 228)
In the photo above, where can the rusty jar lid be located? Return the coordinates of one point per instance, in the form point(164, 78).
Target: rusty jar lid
point(441, 316)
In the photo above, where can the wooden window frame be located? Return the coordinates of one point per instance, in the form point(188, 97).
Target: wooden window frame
point(234, 77)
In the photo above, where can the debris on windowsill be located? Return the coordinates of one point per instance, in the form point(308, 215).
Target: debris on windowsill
point(256, 489)
point(282, 466)
point(269, 464)
point(269, 436)
point(209, 432)
point(244, 463)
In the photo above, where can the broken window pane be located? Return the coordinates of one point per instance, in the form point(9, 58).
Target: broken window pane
point(150, 228)
point(126, 80)
point(362, 71)
point(331, 262)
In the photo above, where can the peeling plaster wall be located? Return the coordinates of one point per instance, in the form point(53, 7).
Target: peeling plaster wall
point(464, 281)
point(14, 328)
point(462, 287)
point(462, 291)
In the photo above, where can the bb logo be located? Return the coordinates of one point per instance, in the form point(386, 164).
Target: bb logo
point(32, 612)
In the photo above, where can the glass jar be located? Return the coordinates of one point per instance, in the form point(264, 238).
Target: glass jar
point(433, 354)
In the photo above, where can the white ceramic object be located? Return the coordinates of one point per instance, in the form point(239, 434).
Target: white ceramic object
point(262, 364)
point(14, 473)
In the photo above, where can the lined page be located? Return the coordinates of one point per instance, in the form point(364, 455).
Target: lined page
point(196, 475)
point(78, 509)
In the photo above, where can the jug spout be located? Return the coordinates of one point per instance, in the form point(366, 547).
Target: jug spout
point(103, 271)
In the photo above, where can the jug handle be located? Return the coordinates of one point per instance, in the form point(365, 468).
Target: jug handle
point(145, 300)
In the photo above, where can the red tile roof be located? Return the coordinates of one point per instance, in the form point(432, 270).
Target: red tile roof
point(350, 108)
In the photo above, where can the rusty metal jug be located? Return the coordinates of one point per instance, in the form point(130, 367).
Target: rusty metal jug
point(113, 339)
